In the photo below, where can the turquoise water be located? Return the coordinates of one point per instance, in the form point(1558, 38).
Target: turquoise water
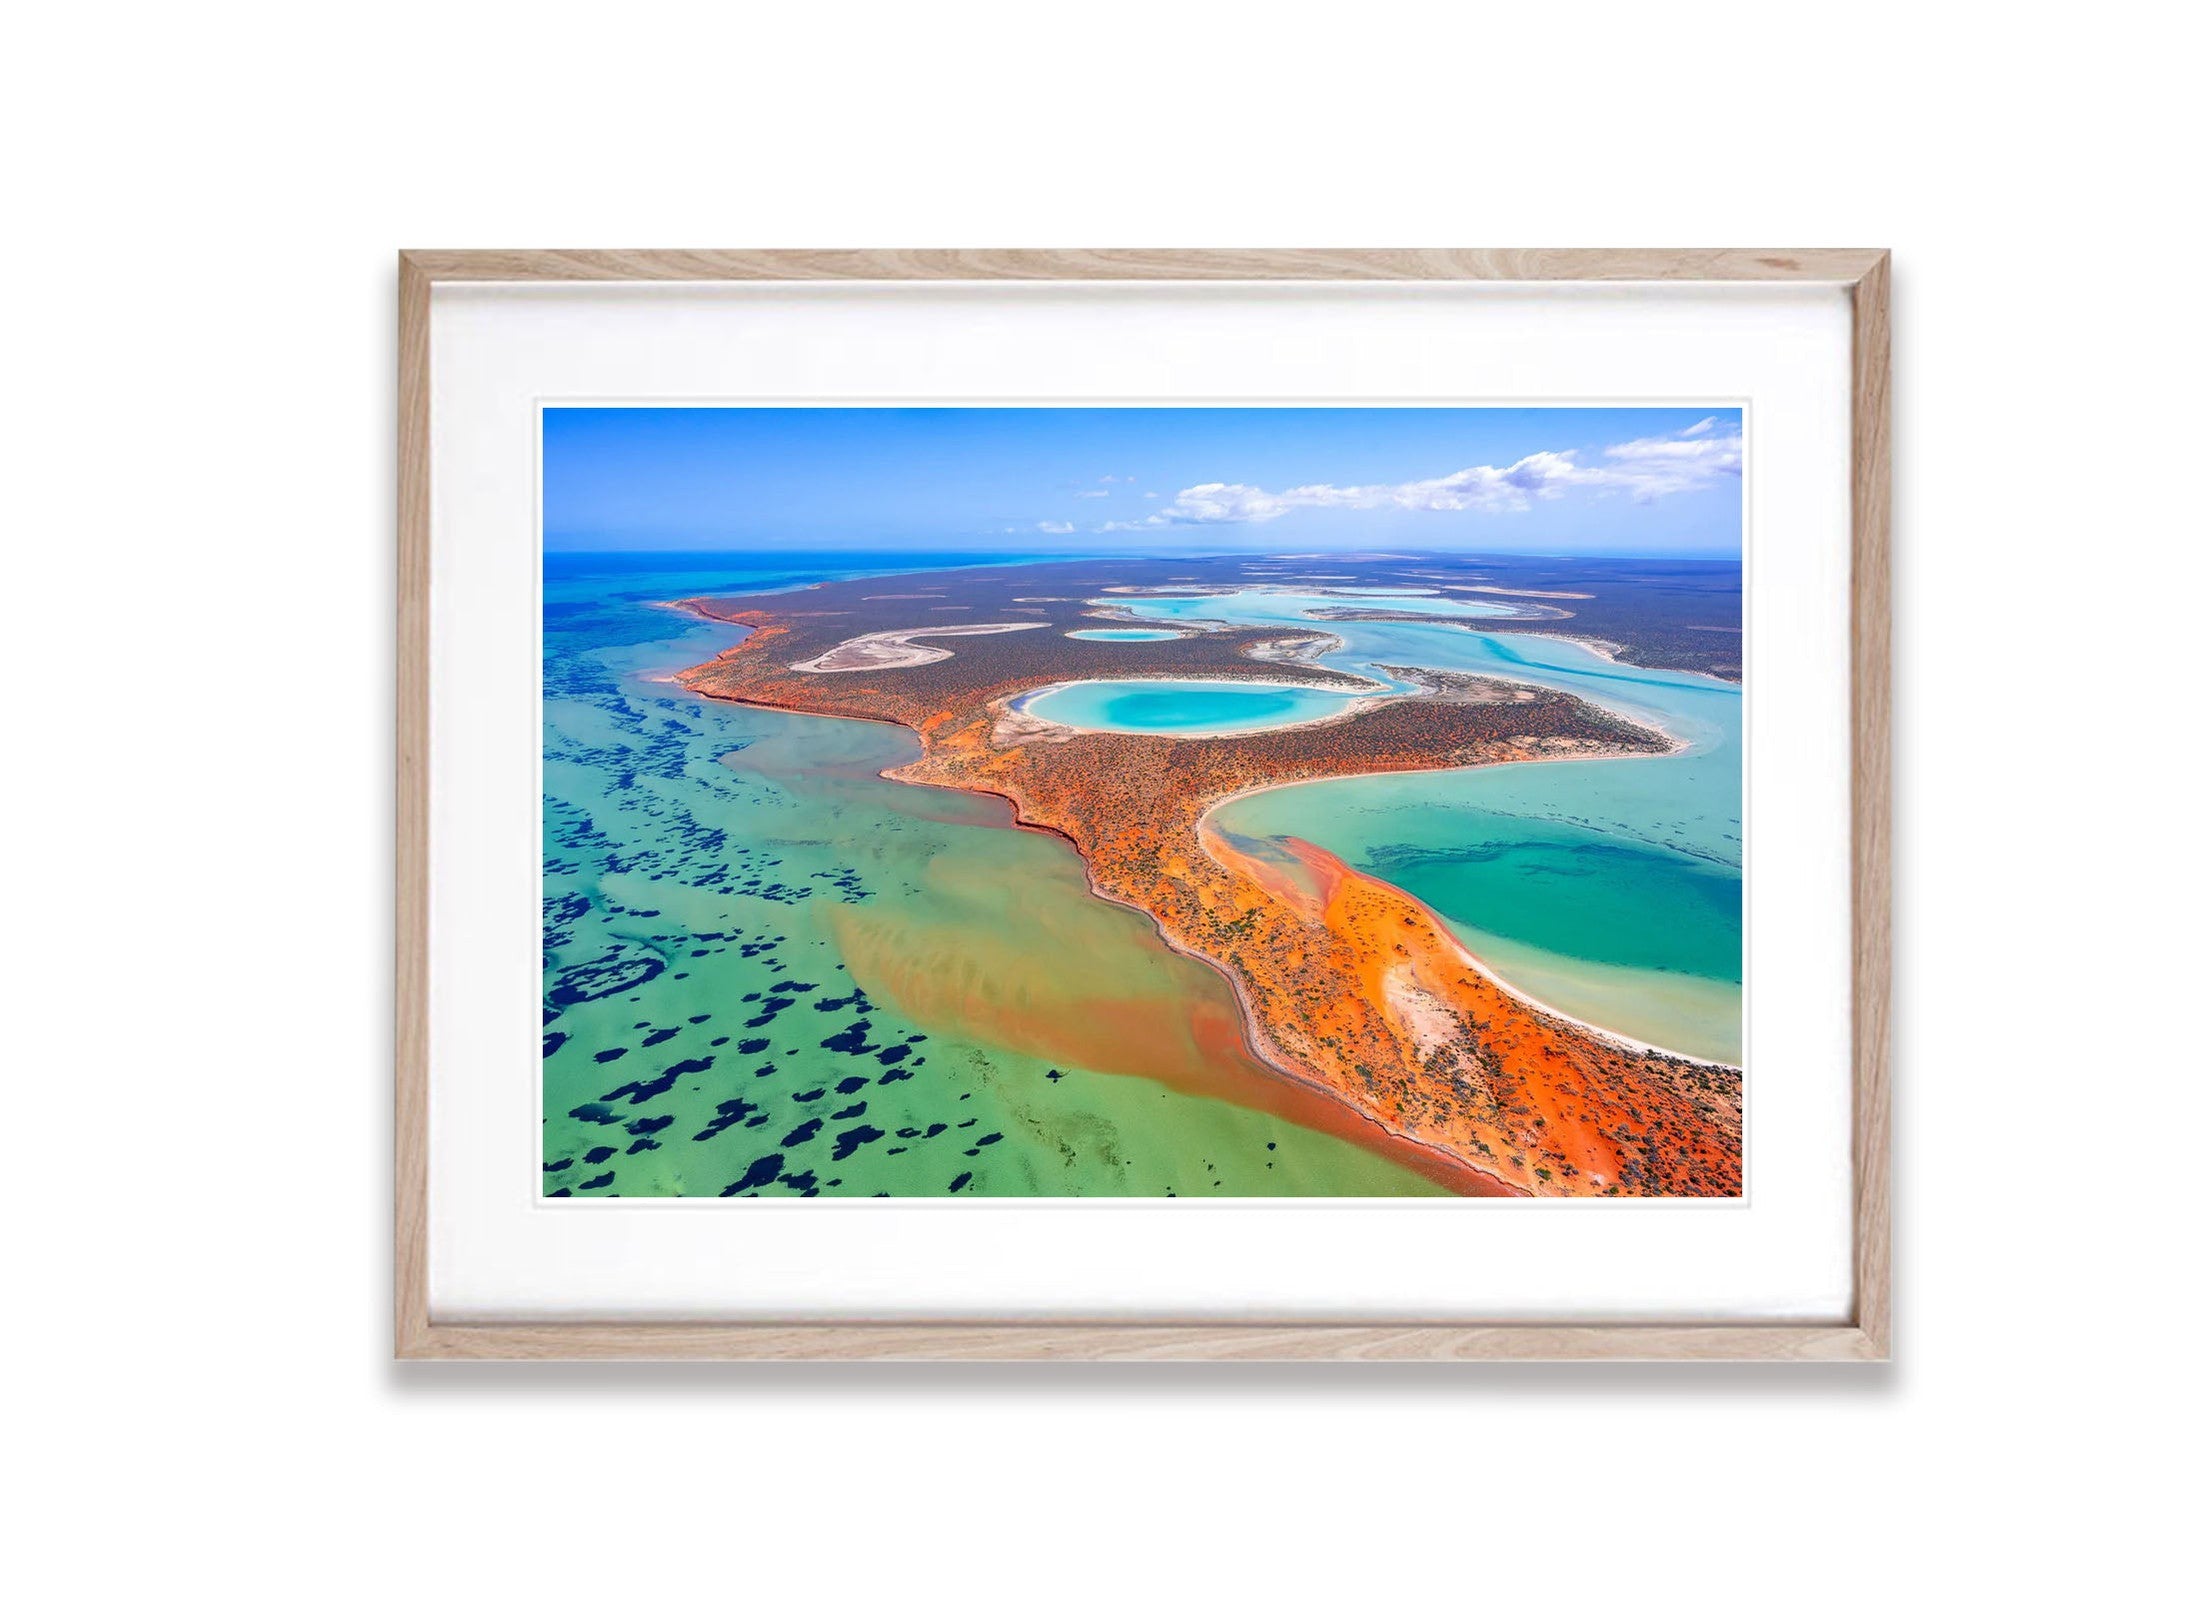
point(1181, 706)
point(1608, 889)
point(768, 971)
point(1125, 635)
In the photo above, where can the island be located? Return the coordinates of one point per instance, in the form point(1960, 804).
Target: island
point(1349, 988)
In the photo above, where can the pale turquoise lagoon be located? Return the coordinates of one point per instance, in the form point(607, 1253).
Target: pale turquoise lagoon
point(1125, 635)
point(1182, 706)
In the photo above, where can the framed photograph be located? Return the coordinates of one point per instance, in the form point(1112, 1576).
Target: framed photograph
point(1141, 804)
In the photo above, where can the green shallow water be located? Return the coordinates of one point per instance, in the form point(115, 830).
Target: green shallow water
point(769, 970)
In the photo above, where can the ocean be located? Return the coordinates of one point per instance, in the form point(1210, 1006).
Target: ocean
point(770, 972)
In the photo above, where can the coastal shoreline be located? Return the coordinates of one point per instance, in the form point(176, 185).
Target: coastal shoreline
point(1209, 832)
point(1609, 652)
point(1465, 1178)
point(897, 650)
point(1209, 837)
point(1490, 1054)
point(1468, 1178)
point(1606, 650)
point(1427, 1157)
point(1205, 830)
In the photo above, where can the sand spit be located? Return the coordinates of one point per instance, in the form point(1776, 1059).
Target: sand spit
point(1215, 842)
point(1602, 648)
point(1295, 651)
point(881, 652)
point(1186, 626)
point(1535, 1094)
point(1339, 1112)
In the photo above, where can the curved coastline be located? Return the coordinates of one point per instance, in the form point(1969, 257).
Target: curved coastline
point(1205, 825)
point(1440, 1164)
point(1209, 834)
point(1432, 1159)
point(1448, 1165)
point(1679, 741)
point(1444, 1165)
point(1460, 1171)
point(1362, 699)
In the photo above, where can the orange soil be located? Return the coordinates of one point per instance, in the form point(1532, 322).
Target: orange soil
point(1350, 988)
point(1552, 1103)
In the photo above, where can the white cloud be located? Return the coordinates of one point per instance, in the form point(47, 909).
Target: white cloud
point(1648, 469)
point(1057, 527)
point(1091, 494)
point(1653, 468)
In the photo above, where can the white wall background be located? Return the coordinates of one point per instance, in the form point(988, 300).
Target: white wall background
point(198, 436)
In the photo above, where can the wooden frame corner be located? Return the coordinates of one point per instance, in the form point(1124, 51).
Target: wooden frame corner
point(1865, 1336)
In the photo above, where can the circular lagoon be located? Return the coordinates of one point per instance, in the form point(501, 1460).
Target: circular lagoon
point(1183, 708)
point(1127, 635)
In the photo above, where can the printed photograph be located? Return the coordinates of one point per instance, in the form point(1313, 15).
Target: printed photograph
point(1189, 802)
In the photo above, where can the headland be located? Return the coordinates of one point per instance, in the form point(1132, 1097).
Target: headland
point(1348, 986)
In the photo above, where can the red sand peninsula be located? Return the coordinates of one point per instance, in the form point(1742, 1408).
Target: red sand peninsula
point(1350, 987)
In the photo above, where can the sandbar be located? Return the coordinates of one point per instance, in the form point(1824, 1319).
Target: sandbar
point(880, 652)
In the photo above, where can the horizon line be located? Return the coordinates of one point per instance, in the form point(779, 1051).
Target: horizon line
point(1165, 555)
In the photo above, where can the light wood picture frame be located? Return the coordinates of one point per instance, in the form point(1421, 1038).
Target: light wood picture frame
point(1863, 1335)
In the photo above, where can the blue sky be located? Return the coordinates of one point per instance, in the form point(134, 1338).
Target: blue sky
point(1180, 479)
